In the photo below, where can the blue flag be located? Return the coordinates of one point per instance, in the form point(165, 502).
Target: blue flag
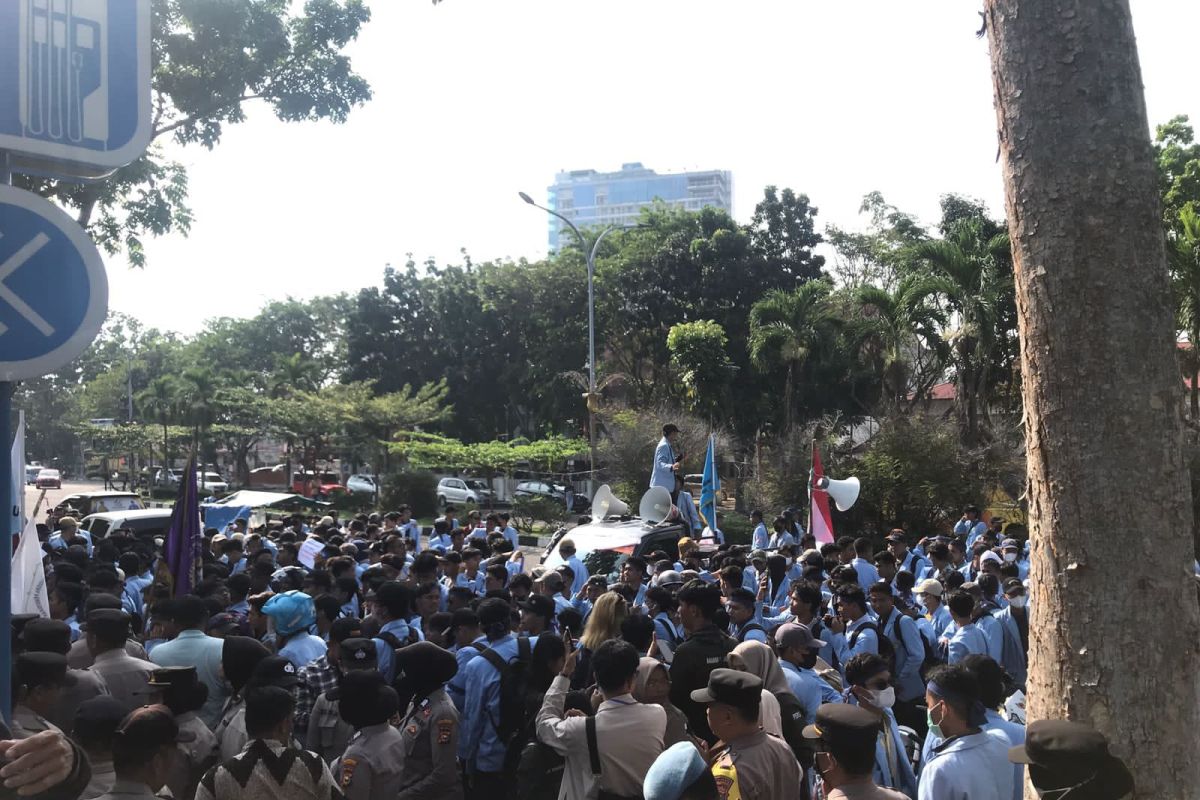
point(710, 486)
point(184, 538)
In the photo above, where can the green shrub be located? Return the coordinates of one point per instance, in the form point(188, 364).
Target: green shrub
point(415, 488)
point(737, 528)
point(527, 511)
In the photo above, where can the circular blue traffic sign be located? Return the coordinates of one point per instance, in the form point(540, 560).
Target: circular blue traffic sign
point(53, 288)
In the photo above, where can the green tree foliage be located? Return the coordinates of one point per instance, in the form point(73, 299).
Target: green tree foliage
point(698, 352)
point(784, 232)
point(210, 59)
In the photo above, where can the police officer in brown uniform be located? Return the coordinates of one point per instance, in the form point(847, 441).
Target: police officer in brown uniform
point(429, 724)
point(373, 764)
point(844, 738)
point(328, 734)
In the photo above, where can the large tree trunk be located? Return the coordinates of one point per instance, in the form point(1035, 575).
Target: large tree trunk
point(1115, 625)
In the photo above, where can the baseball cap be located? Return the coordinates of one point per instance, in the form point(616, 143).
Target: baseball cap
point(896, 536)
point(791, 634)
point(730, 687)
point(1063, 754)
point(930, 586)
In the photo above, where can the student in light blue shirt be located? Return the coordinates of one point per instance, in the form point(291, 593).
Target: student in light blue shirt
point(864, 553)
point(761, 536)
point(665, 459)
point(966, 637)
point(479, 745)
point(392, 605)
point(797, 649)
point(782, 537)
point(970, 526)
point(990, 677)
point(929, 596)
point(853, 633)
point(869, 686)
point(744, 624)
point(410, 529)
point(969, 762)
point(440, 540)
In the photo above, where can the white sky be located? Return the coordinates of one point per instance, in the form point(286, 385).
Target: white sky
point(478, 99)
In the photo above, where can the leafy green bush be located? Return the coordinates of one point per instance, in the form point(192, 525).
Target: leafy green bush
point(527, 511)
point(416, 488)
point(737, 528)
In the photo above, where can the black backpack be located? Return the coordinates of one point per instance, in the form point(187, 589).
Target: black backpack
point(514, 678)
point(886, 651)
point(747, 628)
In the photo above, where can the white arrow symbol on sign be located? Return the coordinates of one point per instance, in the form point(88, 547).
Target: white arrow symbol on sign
point(10, 266)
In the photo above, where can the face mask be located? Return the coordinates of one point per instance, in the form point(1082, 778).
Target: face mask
point(1020, 601)
point(1010, 558)
point(885, 698)
point(934, 728)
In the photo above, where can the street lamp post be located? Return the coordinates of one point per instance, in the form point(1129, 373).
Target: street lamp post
point(590, 254)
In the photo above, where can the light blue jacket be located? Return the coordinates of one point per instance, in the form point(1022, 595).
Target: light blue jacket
point(194, 648)
point(910, 654)
point(967, 640)
point(303, 649)
point(384, 654)
point(903, 780)
point(688, 513)
point(479, 745)
point(456, 687)
point(809, 689)
point(779, 601)
point(412, 530)
point(581, 574)
point(1015, 733)
point(1013, 657)
point(867, 642)
point(972, 532)
point(761, 537)
point(867, 574)
point(974, 767)
point(915, 563)
point(662, 474)
point(993, 632)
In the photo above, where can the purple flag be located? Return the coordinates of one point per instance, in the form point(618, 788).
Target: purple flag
point(184, 539)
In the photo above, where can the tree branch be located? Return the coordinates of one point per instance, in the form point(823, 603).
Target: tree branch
point(159, 131)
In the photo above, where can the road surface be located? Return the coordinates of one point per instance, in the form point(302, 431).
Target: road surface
point(54, 496)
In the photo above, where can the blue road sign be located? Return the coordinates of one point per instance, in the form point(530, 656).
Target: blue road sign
point(53, 288)
point(75, 81)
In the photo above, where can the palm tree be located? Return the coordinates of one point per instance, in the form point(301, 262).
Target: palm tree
point(967, 269)
point(900, 325)
point(160, 400)
point(786, 328)
point(1183, 256)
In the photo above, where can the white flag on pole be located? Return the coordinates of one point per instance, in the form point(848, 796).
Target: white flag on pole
point(17, 513)
point(28, 578)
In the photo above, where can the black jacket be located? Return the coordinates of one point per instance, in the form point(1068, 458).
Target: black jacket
point(702, 652)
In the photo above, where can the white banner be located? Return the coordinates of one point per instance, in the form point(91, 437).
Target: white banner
point(28, 577)
point(18, 478)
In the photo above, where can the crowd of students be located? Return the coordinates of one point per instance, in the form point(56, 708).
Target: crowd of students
point(397, 665)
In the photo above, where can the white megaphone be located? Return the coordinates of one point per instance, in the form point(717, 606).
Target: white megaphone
point(844, 493)
point(656, 505)
point(607, 504)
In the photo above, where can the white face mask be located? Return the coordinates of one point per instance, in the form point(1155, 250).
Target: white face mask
point(1020, 601)
point(1010, 557)
point(885, 698)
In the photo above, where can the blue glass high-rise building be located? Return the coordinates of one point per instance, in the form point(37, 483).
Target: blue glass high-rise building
point(590, 198)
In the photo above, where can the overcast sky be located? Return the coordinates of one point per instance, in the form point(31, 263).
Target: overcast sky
point(476, 100)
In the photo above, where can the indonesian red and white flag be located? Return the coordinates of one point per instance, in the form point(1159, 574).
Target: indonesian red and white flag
point(820, 521)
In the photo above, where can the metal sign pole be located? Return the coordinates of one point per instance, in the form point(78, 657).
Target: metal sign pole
point(7, 501)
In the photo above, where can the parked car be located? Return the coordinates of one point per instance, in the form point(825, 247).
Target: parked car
point(553, 491)
point(144, 522)
point(31, 473)
point(211, 482)
point(317, 484)
point(87, 503)
point(168, 477)
point(362, 484)
point(48, 479)
point(463, 490)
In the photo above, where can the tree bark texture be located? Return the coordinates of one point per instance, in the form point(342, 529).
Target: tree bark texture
point(1115, 624)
